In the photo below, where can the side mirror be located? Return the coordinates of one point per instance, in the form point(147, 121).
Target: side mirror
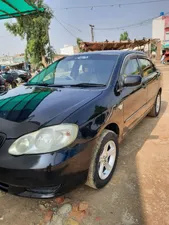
point(131, 81)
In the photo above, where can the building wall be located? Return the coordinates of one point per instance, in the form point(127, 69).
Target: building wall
point(167, 28)
point(10, 60)
point(6, 60)
point(158, 28)
point(69, 50)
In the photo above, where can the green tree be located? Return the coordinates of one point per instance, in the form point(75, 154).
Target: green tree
point(34, 28)
point(124, 36)
point(153, 48)
point(78, 41)
point(50, 54)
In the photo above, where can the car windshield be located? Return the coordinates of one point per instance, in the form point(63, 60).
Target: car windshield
point(89, 69)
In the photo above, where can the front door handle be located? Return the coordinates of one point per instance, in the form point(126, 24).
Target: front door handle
point(158, 75)
point(144, 85)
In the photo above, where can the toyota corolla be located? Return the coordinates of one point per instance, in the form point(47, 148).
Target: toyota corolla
point(63, 127)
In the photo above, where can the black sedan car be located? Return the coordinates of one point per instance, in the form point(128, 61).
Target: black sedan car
point(63, 127)
point(7, 82)
point(2, 85)
point(10, 80)
point(22, 74)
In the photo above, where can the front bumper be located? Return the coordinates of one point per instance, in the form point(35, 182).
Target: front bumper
point(48, 192)
point(47, 175)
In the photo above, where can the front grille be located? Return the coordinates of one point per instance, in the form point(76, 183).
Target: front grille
point(2, 139)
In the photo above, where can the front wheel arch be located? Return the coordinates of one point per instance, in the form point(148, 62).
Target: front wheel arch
point(113, 127)
point(93, 179)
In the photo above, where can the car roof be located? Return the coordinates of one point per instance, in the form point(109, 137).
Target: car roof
point(112, 52)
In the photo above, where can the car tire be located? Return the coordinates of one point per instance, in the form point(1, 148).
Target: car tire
point(98, 175)
point(157, 106)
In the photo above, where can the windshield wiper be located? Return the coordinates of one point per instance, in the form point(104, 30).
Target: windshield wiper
point(44, 85)
point(87, 85)
point(66, 85)
point(57, 85)
point(37, 84)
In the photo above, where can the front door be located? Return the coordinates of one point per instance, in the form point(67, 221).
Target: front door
point(134, 98)
point(151, 80)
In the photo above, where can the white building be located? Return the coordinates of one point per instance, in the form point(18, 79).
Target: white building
point(6, 60)
point(68, 50)
point(160, 28)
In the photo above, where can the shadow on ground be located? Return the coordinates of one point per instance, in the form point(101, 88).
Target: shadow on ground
point(120, 202)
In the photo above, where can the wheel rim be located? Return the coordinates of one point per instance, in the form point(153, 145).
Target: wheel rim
point(107, 160)
point(158, 104)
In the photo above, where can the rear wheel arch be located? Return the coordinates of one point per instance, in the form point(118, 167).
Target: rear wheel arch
point(156, 107)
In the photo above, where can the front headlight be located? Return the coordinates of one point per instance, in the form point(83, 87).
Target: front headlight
point(45, 140)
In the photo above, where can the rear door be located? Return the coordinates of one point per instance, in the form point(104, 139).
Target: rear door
point(134, 98)
point(150, 79)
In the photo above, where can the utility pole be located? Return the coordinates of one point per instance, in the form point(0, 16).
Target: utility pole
point(92, 31)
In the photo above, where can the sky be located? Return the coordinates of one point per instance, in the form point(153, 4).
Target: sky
point(81, 18)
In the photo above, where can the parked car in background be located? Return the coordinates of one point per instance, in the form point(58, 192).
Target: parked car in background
point(15, 77)
point(7, 82)
point(23, 75)
point(63, 127)
point(2, 85)
point(10, 79)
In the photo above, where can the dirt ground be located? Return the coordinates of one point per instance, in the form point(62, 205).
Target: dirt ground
point(137, 194)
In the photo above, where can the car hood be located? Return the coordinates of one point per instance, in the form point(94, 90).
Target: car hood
point(26, 108)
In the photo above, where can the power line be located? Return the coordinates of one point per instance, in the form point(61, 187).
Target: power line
point(72, 26)
point(117, 4)
point(127, 26)
point(144, 22)
point(68, 24)
point(65, 27)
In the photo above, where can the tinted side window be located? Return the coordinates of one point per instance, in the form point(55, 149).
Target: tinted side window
point(132, 68)
point(146, 67)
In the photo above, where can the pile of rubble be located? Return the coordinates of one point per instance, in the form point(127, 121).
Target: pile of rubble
point(100, 46)
point(62, 212)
